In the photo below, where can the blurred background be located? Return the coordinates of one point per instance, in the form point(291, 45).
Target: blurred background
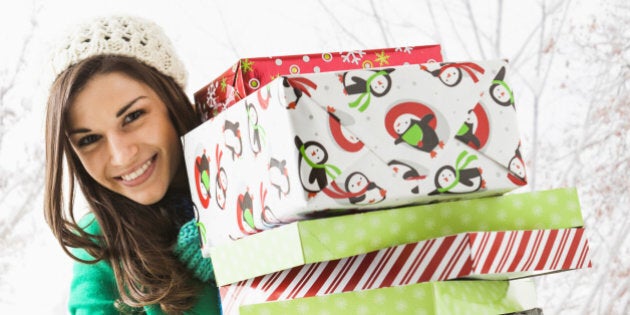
point(570, 69)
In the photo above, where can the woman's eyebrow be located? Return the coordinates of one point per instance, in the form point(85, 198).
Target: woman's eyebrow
point(126, 107)
point(80, 130)
point(119, 113)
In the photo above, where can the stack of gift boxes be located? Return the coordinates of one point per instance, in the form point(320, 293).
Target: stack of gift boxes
point(371, 182)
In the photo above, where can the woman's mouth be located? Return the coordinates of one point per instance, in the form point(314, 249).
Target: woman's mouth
point(139, 175)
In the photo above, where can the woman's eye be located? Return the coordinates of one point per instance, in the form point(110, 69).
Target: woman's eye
point(133, 116)
point(87, 140)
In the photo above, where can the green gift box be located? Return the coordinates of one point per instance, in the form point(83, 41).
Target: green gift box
point(442, 297)
point(317, 240)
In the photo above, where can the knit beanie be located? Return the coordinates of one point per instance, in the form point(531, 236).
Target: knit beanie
point(119, 35)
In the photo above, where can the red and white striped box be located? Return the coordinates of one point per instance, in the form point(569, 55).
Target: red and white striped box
point(481, 255)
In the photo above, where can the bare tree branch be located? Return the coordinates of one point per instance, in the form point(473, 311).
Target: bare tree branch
point(497, 44)
point(379, 20)
point(514, 61)
point(621, 235)
point(26, 207)
point(541, 41)
point(455, 29)
point(343, 28)
point(475, 29)
point(210, 33)
point(227, 28)
point(6, 113)
point(436, 27)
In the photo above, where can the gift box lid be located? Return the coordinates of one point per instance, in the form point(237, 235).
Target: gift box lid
point(247, 75)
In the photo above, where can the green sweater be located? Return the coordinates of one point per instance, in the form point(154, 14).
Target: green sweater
point(93, 289)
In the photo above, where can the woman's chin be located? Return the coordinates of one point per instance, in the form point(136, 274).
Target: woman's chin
point(145, 199)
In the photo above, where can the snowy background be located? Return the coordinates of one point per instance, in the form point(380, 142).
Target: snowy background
point(570, 59)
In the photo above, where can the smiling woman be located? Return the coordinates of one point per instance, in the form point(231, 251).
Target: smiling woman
point(122, 133)
point(115, 113)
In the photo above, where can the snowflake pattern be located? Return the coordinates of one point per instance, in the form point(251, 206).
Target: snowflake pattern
point(247, 65)
point(382, 58)
point(353, 56)
point(211, 96)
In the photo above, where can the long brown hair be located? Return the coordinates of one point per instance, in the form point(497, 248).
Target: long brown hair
point(136, 239)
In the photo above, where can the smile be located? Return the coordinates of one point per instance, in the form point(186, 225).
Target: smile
point(136, 174)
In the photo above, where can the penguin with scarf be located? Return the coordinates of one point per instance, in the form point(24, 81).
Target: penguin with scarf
point(447, 178)
point(378, 84)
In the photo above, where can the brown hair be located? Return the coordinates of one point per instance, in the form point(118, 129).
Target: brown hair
point(137, 240)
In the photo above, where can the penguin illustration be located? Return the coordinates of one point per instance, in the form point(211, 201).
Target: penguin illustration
point(220, 185)
point(377, 83)
point(451, 73)
point(475, 131)
point(516, 169)
point(269, 219)
point(232, 136)
point(459, 179)
point(221, 188)
point(407, 173)
point(417, 133)
point(256, 131)
point(358, 190)
point(364, 191)
point(346, 140)
point(314, 171)
point(279, 176)
point(414, 124)
point(202, 178)
point(263, 102)
point(245, 214)
point(298, 86)
point(466, 133)
point(500, 91)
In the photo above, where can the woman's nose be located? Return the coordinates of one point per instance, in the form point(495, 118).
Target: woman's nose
point(122, 149)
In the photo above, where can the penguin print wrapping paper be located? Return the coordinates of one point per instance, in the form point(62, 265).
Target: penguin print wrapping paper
point(249, 74)
point(331, 143)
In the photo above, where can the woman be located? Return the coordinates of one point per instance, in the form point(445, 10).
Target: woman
point(115, 113)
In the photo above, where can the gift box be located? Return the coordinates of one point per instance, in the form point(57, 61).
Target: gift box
point(481, 255)
point(328, 143)
point(444, 297)
point(248, 75)
point(327, 239)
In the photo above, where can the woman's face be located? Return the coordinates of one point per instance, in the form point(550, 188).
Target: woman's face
point(121, 131)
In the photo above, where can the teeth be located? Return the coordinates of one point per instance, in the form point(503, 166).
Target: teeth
point(133, 175)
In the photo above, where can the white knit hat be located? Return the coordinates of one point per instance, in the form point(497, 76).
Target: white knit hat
point(120, 35)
